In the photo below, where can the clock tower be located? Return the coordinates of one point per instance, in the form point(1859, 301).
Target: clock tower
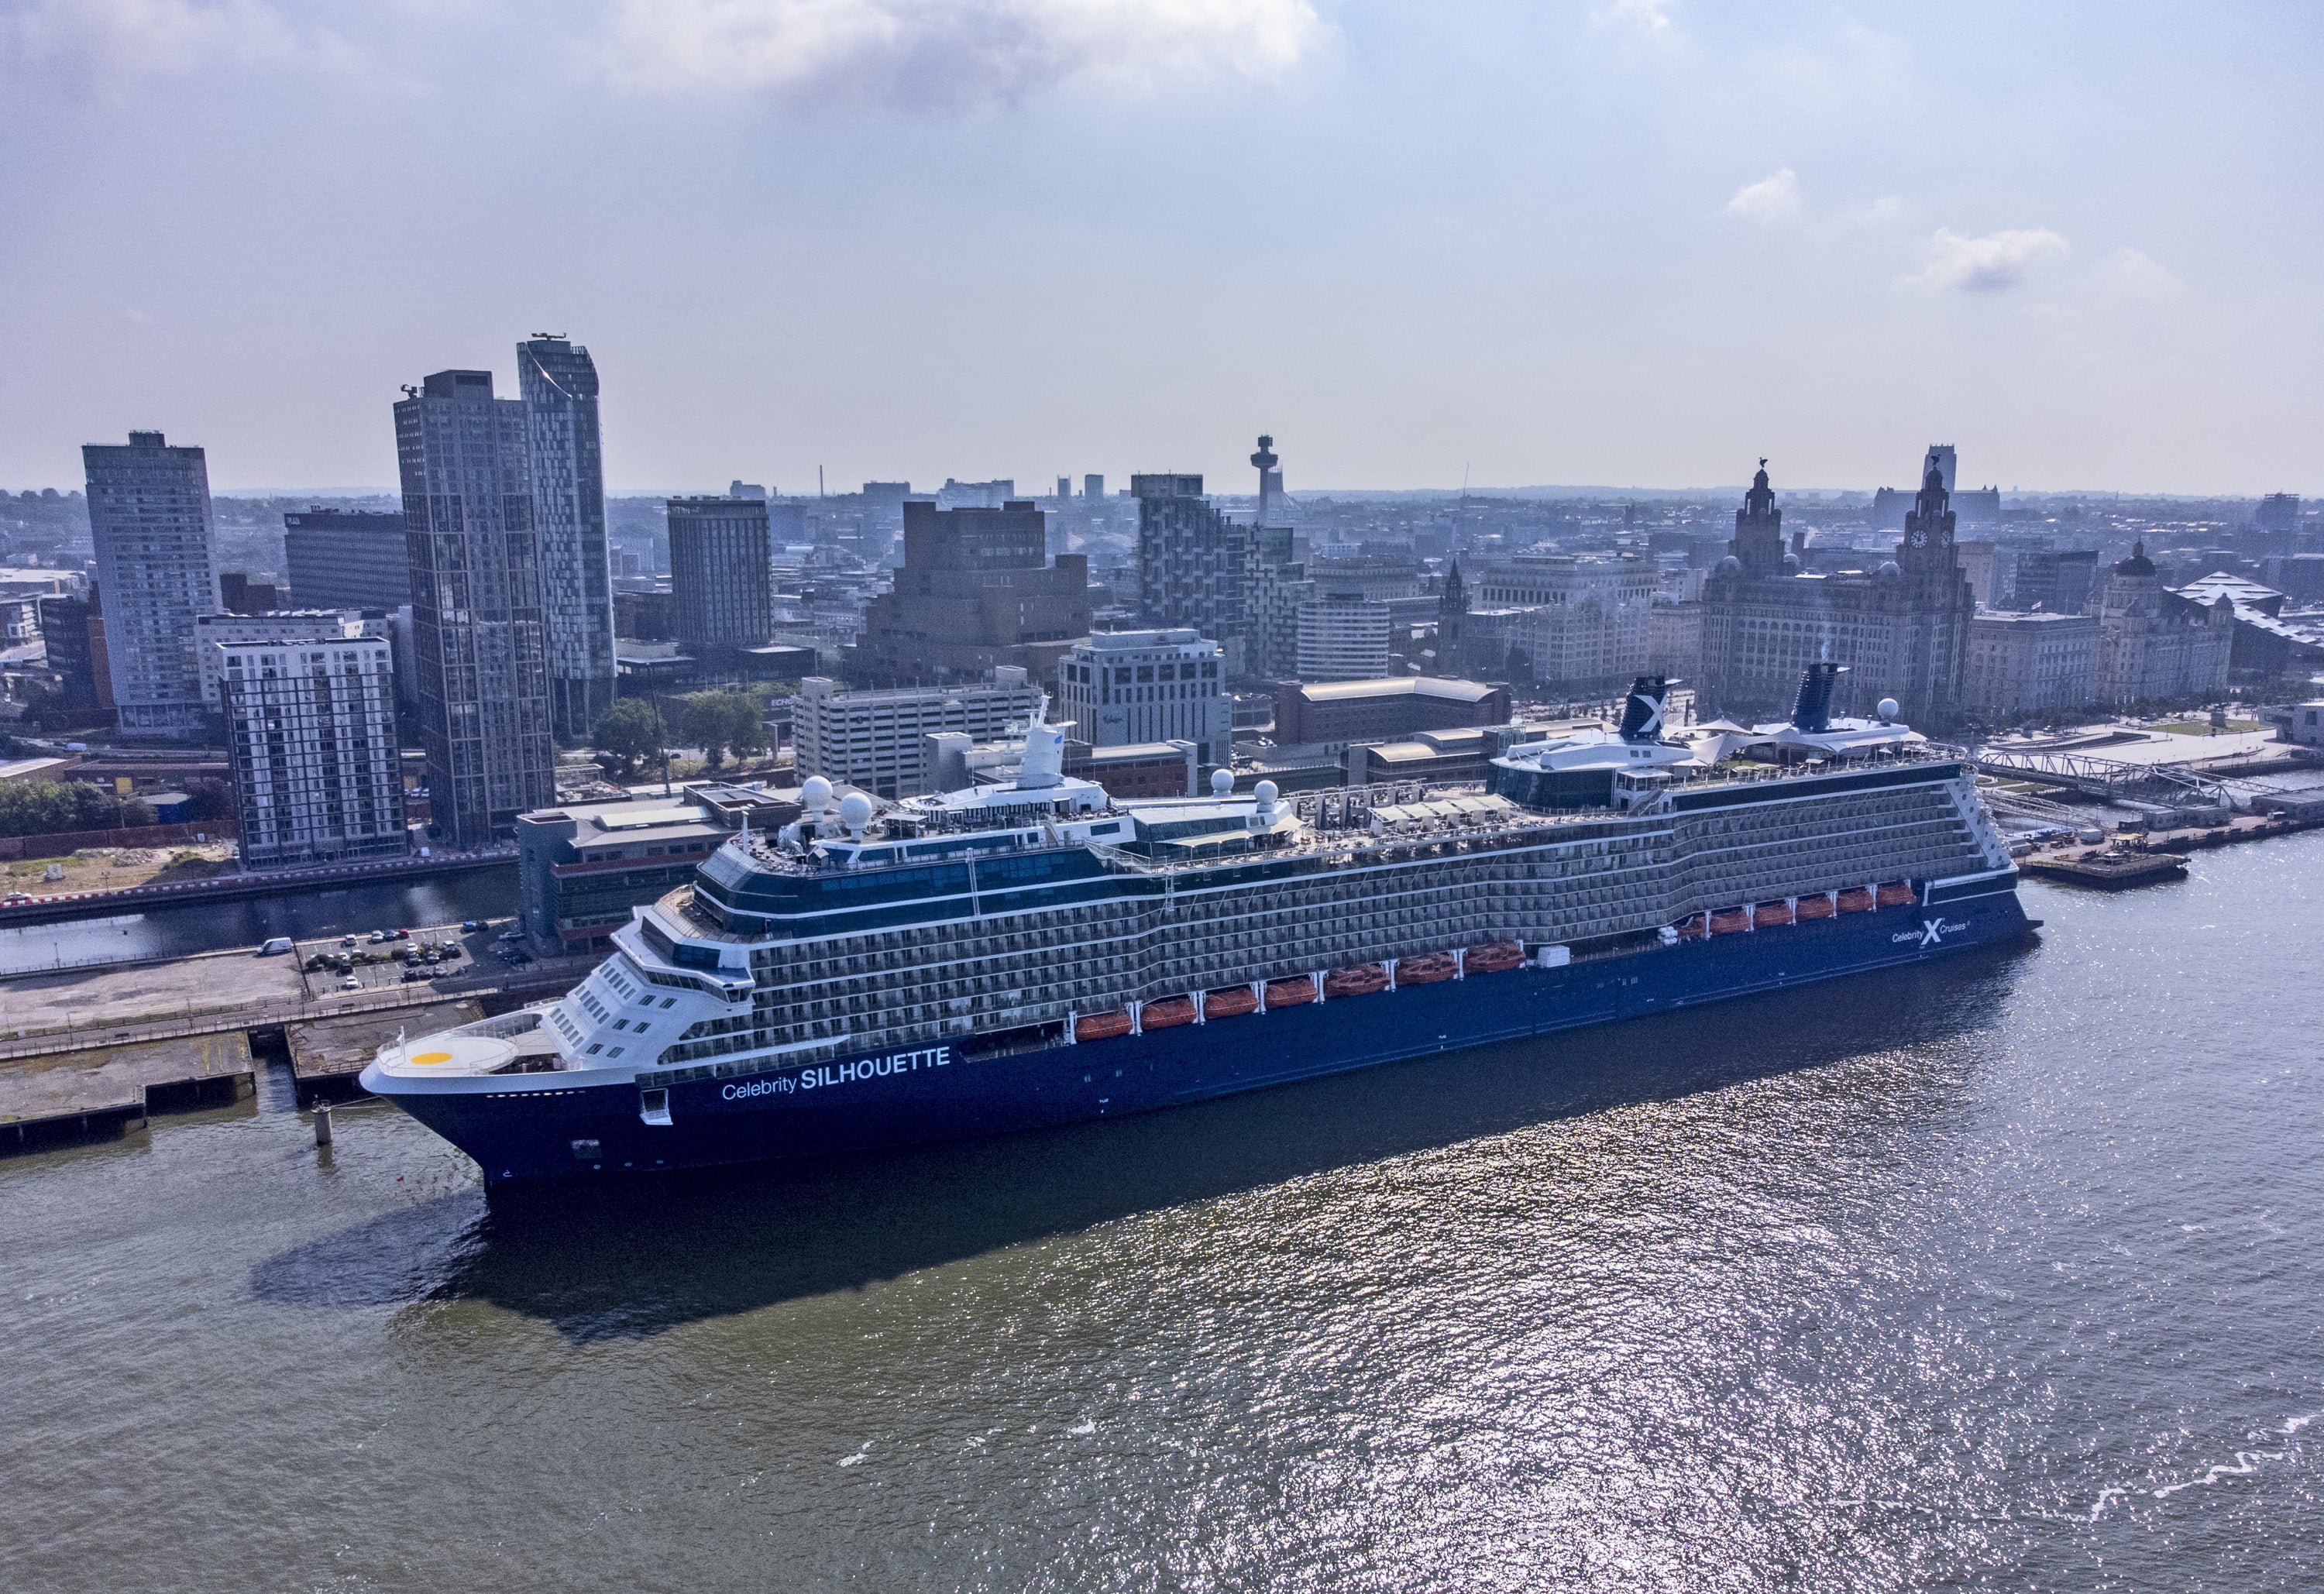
point(1927, 550)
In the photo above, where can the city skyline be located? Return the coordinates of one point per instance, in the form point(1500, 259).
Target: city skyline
point(1634, 243)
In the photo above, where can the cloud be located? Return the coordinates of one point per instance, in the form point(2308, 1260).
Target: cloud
point(2136, 269)
point(1887, 207)
point(1990, 264)
point(945, 55)
point(105, 45)
point(1650, 16)
point(1771, 199)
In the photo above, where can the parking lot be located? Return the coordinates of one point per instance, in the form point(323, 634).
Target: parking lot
point(395, 956)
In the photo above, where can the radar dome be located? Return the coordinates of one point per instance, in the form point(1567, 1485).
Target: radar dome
point(1265, 791)
point(855, 811)
point(1731, 565)
point(1890, 567)
point(1221, 782)
point(1890, 708)
point(816, 794)
point(1791, 564)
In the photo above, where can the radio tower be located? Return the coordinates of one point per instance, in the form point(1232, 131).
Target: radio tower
point(1269, 479)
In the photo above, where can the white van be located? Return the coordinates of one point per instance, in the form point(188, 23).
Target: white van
point(268, 947)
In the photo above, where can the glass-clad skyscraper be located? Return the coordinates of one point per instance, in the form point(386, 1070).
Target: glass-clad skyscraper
point(559, 384)
point(477, 627)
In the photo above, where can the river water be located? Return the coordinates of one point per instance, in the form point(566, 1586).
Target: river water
point(2001, 1273)
point(216, 927)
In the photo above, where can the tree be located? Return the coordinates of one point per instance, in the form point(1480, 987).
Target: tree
point(722, 722)
point(629, 730)
point(211, 799)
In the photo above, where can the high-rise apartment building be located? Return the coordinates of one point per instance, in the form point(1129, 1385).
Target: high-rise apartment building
point(477, 627)
point(310, 730)
point(343, 559)
point(285, 626)
point(149, 511)
point(1093, 486)
point(974, 593)
point(1194, 563)
point(1130, 687)
point(559, 385)
point(1343, 637)
point(721, 573)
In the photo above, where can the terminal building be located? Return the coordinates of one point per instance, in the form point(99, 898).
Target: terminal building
point(582, 867)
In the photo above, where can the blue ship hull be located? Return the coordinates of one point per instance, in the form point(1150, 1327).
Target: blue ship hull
point(938, 1094)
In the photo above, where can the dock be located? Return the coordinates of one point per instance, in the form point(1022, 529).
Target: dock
point(2105, 869)
point(108, 1092)
point(327, 1054)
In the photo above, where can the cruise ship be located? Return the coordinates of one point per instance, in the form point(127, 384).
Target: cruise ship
point(1010, 956)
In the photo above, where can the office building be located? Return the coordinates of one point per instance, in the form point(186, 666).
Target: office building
point(872, 738)
point(2055, 581)
point(2154, 644)
point(311, 734)
point(975, 593)
point(239, 594)
point(2278, 512)
point(1341, 712)
point(2028, 664)
point(1674, 639)
point(558, 382)
point(1343, 637)
point(1194, 563)
point(149, 513)
point(996, 494)
point(346, 558)
point(1574, 624)
point(1902, 630)
point(1093, 487)
point(1144, 687)
point(721, 573)
point(478, 634)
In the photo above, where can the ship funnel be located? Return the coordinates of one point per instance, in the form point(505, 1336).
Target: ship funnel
point(1044, 763)
point(1641, 715)
point(1811, 712)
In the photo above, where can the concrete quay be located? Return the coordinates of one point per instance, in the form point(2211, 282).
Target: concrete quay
point(93, 1053)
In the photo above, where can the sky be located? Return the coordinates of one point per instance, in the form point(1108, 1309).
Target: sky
point(1617, 242)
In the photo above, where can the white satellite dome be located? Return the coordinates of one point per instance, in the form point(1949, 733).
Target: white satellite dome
point(816, 794)
point(1265, 791)
point(1890, 708)
point(1221, 782)
point(855, 813)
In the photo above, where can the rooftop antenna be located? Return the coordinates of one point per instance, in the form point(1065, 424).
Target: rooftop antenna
point(818, 482)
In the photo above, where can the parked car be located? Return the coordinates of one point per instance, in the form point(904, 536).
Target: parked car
point(346, 940)
point(378, 935)
point(469, 926)
point(410, 975)
point(350, 983)
point(512, 935)
point(273, 945)
point(519, 956)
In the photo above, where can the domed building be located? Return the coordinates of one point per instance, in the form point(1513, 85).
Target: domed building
point(1903, 631)
point(2154, 643)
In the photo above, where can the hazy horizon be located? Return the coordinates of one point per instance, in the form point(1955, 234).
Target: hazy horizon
point(1634, 240)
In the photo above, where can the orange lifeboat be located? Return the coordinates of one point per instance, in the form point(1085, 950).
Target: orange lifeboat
point(1855, 900)
point(1361, 980)
point(1694, 928)
point(1167, 1014)
point(1771, 915)
point(1897, 894)
point(1101, 1025)
point(1427, 969)
point(1289, 993)
point(1730, 921)
point(1229, 1002)
point(1816, 907)
point(1494, 957)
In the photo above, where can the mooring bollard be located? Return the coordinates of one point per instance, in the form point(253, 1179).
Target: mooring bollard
point(322, 1123)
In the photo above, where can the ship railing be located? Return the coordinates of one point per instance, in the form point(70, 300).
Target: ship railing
point(508, 1025)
